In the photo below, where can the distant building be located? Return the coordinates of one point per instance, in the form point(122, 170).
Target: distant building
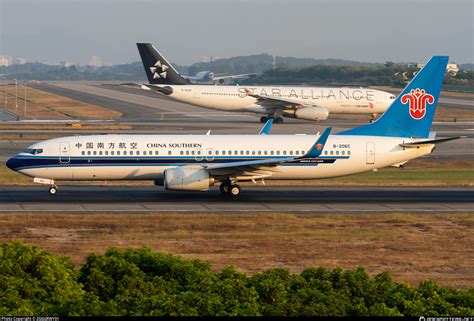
point(5, 61)
point(20, 61)
point(66, 64)
point(452, 69)
point(95, 61)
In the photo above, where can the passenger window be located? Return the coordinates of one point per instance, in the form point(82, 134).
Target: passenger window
point(223, 152)
point(199, 152)
point(131, 152)
point(217, 152)
point(331, 152)
point(187, 152)
point(193, 152)
point(100, 152)
point(125, 152)
point(272, 152)
point(265, 152)
point(297, 152)
point(95, 152)
point(343, 153)
point(106, 152)
point(348, 152)
point(260, 152)
point(247, 152)
point(284, 152)
point(241, 152)
point(253, 152)
point(138, 152)
point(169, 152)
point(118, 152)
point(83, 153)
point(291, 152)
point(278, 152)
point(112, 153)
point(181, 152)
point(337, 152)
point(156, 152)
point(325, 152)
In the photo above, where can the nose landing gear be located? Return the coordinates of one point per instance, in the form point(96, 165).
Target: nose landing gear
point(53, 189)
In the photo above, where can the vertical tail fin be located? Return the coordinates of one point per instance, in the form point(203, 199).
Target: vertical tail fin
point(157, 69)
point(412, 113)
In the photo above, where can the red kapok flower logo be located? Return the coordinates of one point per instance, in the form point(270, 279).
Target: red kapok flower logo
point(416, 100)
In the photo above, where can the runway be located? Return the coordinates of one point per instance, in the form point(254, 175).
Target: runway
point(254, 199)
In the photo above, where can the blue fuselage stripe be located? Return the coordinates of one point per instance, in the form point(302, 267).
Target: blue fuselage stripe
point(24, 162)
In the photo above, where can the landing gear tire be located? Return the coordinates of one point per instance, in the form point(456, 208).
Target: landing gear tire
point(279, 120)
point(263, 119)
point(224, 188)
point(374, 118)
point(234, 190)
point(53, 190)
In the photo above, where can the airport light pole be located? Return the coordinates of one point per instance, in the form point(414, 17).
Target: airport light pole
point(16, 96)
point(5, 91)
point(25, 98)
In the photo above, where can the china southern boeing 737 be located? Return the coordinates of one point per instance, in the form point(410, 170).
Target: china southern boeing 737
point(310, 103)
point(197, 162)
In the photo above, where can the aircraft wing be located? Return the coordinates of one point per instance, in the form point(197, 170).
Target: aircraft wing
point(271, 102)
point(233, 76)
point(253, 168)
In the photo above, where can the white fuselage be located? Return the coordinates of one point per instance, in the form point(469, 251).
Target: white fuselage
point(235, 98)
point(145, 157)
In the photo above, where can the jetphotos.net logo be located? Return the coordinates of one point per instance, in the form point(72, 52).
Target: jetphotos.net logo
point(417, 100)
point(452, 318)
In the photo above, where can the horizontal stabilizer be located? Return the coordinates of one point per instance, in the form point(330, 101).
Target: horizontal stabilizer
point(429, 142)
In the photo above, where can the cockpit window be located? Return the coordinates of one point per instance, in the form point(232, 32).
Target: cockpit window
point(34, 151)
point(392, 97)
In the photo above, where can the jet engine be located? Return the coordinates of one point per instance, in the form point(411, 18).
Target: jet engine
point(311, 113)
point(187, 179)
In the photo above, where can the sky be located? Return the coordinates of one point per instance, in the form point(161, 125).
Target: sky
point(187, 31)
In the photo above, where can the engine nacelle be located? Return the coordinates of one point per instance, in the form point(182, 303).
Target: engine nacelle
point(187, 179)
point(312, 113)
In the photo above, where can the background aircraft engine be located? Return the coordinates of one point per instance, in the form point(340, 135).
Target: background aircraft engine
point(312, 113)
point(187, 179)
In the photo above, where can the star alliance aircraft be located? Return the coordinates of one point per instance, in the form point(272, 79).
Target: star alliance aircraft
point(197, 162)
point(310, 103)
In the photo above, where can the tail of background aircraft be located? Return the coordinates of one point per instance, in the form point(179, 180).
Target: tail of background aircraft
point(157, 69)
point(411, 114)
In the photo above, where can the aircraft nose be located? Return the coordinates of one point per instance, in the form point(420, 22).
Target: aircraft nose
point(11, 163)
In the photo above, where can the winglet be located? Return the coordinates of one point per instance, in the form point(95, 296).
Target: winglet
point(266, 128)
point(318, 147)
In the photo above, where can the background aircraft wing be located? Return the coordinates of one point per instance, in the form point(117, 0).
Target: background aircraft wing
point(218, 77)
point(277, 102)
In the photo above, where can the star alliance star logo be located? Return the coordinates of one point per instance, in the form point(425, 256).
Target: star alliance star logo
point(159, 70)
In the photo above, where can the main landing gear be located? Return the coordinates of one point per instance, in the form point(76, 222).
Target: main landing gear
point(373, 118)
point(278, 120)
point(230, 189)
point(53, 189)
